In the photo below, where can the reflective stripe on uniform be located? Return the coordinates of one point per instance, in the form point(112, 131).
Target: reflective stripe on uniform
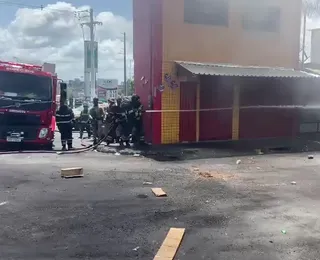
point(64, 122)
point(63, 115)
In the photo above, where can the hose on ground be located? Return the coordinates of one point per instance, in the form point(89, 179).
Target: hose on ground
point(74, 151)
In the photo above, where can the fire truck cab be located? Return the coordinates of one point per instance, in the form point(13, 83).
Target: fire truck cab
point(27, 105)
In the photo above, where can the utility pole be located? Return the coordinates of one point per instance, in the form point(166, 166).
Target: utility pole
point(125, 63)
point(304, 38)
point(93, 64)
point(91, 24)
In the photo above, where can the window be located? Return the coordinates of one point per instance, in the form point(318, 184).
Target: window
point(206, 12)
point(265, 19)
point(25, 86)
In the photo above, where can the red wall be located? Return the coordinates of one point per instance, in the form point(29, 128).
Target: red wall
point(188, 120)
point(147, 54)
point(267, 122)
point(215, 93)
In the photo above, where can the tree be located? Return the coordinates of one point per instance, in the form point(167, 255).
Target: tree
point(311, 9)
point(130, 84)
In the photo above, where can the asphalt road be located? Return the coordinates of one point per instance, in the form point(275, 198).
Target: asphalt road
point(229, 210)
point(77, 142)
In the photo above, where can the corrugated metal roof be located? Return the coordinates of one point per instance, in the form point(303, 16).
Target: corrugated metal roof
point(242, 71)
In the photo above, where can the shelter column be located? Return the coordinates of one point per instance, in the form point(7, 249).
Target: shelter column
point(235, 112)
point(198, 113)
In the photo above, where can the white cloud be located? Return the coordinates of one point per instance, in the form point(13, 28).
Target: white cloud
point(54, 35)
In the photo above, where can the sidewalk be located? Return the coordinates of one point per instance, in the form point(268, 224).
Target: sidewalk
point(214, 149)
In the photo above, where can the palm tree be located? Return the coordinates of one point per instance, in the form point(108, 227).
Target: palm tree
point(310, 9)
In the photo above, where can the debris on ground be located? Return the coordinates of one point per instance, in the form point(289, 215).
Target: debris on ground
point(238, 162)
point(147, 183)
point(259, 151)
point(142, 196)
point(171, 244)
point(159, 192)
point(205, 175)
point(3, 203)
point(293, 183)
point(75, 172)
point(310, 157)
point(196, 169)
point(136, 155)
point(136, 248)
point(283, 231)
point(215, 175)
point(117, 154)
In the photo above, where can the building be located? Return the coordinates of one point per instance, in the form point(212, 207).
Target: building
point(107, 89)
point(75, 88)
point(216, 69)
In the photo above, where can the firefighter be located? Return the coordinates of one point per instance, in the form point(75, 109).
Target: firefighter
point(110, 121)
point(64, 119)
point(84, 121)
point(137, 124)
point(97, 116)
point(122, 135)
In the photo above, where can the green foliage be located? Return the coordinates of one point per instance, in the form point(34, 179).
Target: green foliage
point(311, 8)
point(130, 84)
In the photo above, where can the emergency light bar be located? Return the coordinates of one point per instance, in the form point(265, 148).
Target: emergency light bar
point(22, 66)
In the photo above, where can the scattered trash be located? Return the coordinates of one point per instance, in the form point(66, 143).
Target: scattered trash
point(176, 218)
point(136, 248)
point(310, 157)
point(293, 183)
point(238, 161)
point(117, 154)
point(158, 192)
point(136, 155)
point(75, 172)
point(58, 153)
point(3, 203)
point(271, 241)
point(196, 169)
point(147, 183)
point(207, 201)
point(283, 231)
point(258, 168)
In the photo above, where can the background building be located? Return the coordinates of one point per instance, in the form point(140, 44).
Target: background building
point(107, 89)
point(215, 54)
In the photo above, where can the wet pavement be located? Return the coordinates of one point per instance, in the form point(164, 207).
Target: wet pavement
point(264, 207)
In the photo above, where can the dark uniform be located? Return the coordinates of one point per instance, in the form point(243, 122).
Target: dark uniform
point(137, 124)
point(84, 121)
point(110, 121)
point(122, 135)
point(64, 120)
point(97, 116)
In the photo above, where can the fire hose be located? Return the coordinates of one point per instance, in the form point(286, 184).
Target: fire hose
point(74, 151)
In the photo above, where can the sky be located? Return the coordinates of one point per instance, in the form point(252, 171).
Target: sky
point(29, 34)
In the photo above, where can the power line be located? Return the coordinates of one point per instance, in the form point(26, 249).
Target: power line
point(41, 7)
point(20, 4)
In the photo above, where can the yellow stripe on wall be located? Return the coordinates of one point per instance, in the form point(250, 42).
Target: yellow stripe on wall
point(170, 100)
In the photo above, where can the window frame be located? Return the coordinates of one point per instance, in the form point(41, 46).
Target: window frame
point(200, 16)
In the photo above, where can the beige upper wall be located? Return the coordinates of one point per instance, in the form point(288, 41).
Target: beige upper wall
point(232, 44)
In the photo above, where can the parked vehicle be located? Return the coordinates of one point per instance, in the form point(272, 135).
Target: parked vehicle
point(27, 104)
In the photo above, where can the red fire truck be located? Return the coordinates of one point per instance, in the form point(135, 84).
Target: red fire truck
point(27, 105)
